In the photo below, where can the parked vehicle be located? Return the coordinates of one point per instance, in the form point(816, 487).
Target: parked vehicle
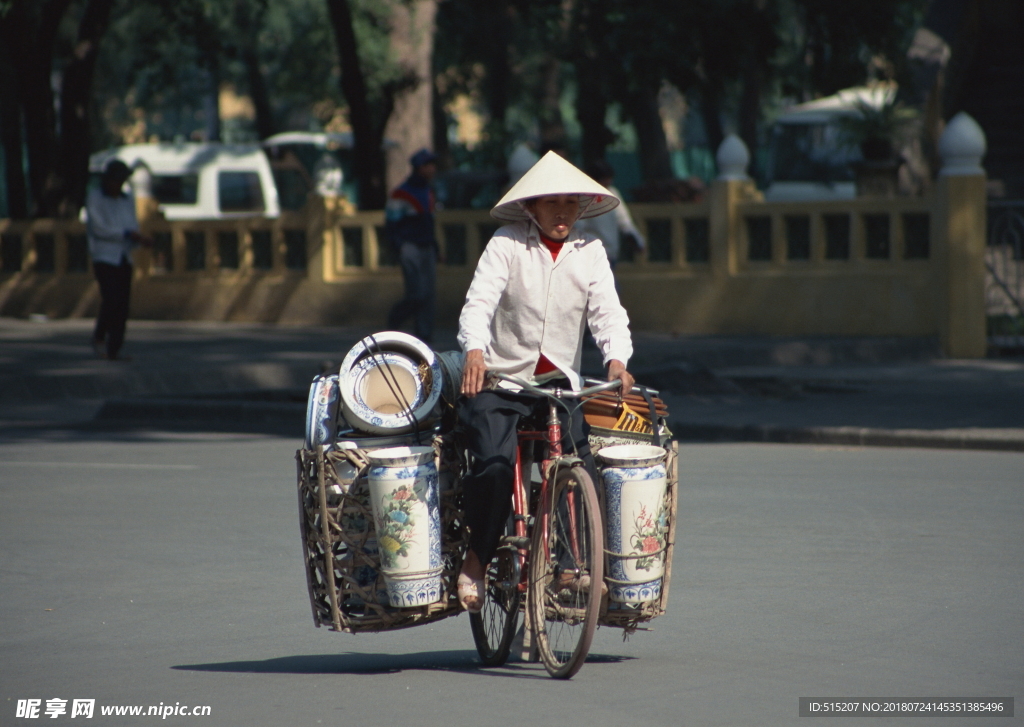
point(307, 161)
point(808, 157)
point(199, 181)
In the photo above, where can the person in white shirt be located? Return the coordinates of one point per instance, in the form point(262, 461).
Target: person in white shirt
point(113, 231)
point(537, 286)
point(613, 227)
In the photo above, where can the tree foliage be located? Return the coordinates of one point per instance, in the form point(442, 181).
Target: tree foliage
point(726, 56)
point(132, 70)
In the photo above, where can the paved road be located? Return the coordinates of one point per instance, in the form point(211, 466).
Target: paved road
point(149, 567)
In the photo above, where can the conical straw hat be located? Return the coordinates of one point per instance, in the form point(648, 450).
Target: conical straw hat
point(554, 175)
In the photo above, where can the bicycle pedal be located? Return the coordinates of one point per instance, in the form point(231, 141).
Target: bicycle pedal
point(516, 541)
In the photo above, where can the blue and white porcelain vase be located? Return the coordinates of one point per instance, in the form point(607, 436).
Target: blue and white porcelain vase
point(636, 523)
point(407, 519)
point(322, 411)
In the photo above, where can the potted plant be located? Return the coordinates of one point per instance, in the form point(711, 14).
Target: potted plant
point(879, 131)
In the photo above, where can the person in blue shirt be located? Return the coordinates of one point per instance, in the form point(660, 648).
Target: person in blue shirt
point(409, 227)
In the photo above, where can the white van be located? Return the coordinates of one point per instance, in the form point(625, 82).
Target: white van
point(807, 159)
point(199, 181)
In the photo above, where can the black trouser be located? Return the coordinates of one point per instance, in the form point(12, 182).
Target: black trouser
point(488, 422)
point(115, 291)
point(419, 270)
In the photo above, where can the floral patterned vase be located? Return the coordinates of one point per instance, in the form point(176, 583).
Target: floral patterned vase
point(407, 519)
point(636, 525)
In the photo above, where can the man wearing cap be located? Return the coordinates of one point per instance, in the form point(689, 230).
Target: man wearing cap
point(537, 286)
point(112, 230)
point(409, 226)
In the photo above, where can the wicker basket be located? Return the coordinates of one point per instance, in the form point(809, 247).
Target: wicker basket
point(342, 567)
point(339, 546)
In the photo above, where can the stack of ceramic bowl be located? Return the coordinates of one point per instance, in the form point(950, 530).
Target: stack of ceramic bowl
point(390, 385)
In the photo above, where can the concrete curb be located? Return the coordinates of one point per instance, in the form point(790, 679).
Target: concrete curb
point(1005, 440)
point(248, 414)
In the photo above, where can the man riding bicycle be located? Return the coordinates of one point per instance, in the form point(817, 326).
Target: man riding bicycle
point(536, 288)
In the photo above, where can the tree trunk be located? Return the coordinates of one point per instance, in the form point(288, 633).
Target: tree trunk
point(591, 108)
point(65, 188)
point(410, 124)
point(552, 127)
point(654, 157)
point(591, 96)
point(711, 112)
point(265, 125)
point(211, 100)
point(249, 17)
point(502, 20)
point(31, 47)
point(368, 156)
point(10, 129)
point(750, 107)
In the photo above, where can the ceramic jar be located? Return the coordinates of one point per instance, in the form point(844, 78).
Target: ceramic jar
point(322, 411)
point(407, 518)
point(636, 522)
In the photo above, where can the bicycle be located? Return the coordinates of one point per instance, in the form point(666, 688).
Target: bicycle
point(552, 552)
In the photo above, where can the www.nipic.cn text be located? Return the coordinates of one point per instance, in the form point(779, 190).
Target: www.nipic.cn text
point(53, 708)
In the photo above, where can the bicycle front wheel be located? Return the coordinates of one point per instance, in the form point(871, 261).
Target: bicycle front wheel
point(566, 572)
point(494, 627)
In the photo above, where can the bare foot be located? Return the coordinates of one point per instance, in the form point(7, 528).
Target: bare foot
point(471, 583)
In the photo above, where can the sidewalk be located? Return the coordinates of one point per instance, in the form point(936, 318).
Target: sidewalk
point(248, 377)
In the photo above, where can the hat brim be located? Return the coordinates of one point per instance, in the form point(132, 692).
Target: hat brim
point(550, 176)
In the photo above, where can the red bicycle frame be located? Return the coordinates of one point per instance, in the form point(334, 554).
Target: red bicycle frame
point(520, 499)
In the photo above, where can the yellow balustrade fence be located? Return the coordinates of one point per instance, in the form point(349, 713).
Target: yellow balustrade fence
point(730, 264)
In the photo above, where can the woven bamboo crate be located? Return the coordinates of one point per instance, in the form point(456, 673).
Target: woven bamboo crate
point(339, 546)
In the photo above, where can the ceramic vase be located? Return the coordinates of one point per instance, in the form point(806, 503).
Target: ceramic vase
point(407, 519)
point(322, 411)
point(636, 523)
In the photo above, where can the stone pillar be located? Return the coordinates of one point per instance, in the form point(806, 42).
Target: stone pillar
point(731, 186)
point(960, 238)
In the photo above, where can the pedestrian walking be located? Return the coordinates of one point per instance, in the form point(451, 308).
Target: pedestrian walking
point(409, 227)
point(113, 232)
point(615, 227)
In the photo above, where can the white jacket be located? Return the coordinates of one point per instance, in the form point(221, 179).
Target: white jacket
point(610, 227)
point(521, 303)
point(108, 220)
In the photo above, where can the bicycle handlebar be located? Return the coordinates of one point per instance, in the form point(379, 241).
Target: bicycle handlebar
point(565, 393)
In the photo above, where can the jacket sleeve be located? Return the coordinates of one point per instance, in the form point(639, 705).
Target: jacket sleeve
point(484, 294)
point(608, 320)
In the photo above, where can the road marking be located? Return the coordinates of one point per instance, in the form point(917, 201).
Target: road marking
point(106, 465)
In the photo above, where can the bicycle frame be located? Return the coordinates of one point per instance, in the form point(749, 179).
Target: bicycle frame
point(520, 490)
point(520, 493)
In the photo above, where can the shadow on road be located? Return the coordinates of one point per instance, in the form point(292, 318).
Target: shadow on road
point(361, 663)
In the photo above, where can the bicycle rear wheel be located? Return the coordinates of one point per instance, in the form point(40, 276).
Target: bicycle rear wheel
point(494, 627)
point(566, 572)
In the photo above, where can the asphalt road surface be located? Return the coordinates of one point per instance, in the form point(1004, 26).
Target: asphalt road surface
point(164, 569)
